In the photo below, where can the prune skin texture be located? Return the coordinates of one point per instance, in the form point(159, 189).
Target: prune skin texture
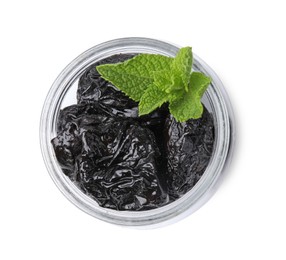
point(110, 159)
point(121, 160)
point(94, 89)
point(189, 148)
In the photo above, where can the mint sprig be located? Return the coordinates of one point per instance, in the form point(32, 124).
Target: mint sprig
point(155, 79)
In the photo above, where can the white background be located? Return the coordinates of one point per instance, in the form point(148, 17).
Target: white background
point(243, 41)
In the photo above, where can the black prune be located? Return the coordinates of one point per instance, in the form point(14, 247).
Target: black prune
point(189, 147)
point(112, 160)
point(92, 88)
point(74, 113)
point(67, 146)
point(121, 160)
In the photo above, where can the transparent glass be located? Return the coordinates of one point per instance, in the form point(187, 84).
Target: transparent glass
point(63, 93)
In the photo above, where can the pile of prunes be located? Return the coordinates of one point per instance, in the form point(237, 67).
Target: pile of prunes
point(121, 160)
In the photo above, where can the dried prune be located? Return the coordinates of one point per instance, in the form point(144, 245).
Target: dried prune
point(92, 88)
point(121, 160)
point(189, 147)
point(112, 160)
point(72, 114)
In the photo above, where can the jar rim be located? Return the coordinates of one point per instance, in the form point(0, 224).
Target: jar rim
point(192, 200)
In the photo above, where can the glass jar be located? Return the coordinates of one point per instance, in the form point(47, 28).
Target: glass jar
point(63, 93)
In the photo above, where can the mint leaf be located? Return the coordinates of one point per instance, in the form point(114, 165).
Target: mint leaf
point(190, 106)
point(152, 98)
point(155, 79)
point(199, 83)
point(182, 67)
point(134, 76)
point(163, 79)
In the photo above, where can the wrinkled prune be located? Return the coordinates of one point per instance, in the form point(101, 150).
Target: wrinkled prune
point(92, 88)
point(189, 147)
point(73, 113)
point(121, 160)
point(112, 160)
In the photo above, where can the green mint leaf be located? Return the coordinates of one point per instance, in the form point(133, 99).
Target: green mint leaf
point(155, 79)
point(182, 67)
point(189, 105)
point(135, 75)
point(163, 79)
point(152, 98)
point(199, 83)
